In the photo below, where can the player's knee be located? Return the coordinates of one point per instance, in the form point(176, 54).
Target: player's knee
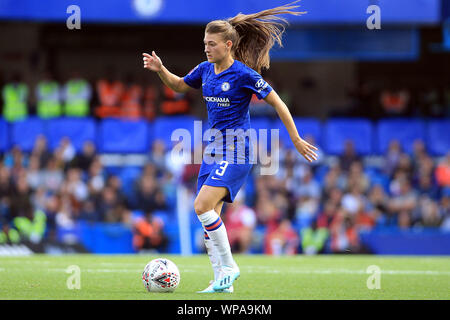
point(201, 206)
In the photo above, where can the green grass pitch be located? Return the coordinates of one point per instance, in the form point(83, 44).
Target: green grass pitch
point(262, 277)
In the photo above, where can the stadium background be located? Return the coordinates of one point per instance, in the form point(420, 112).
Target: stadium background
point(346, 86)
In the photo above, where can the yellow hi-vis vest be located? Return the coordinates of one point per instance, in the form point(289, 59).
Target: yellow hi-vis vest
point(48, 94)
point(77, 93)
point(15, 101)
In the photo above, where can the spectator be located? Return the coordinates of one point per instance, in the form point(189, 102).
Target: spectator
point(149, 197)
point(334, 178)
point(307, 196)
point(157, 156)
point(49, 98)
point(108, 206)
point(357, 177)
point(348, 156)
point(52, 207)
point(378, 203)
point(110, 91)
point(427, 187)
point(77, 93)
point(84, 159)
point(395, 102)
point(343, 233)
point(30, 223)
point(96, 177)
point(16, 161)
point(392, 157)
point(430, 216)
point(65, 151)
point(241, 222)
point(131, 99)
point(151, 96)
point(402, 204)
point(40, 150)
point(442, 172)
point(34, 174)
point(281, 239)
point(445, 210)
point(52, 175)
point(174, 102)
point(148, 234)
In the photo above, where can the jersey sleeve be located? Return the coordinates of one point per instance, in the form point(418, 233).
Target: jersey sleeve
point(194, 77)
point(255, 83)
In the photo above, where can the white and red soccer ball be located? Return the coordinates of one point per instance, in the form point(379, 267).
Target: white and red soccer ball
point(161, 275)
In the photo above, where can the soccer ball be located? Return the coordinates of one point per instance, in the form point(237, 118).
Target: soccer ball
point(161, 275)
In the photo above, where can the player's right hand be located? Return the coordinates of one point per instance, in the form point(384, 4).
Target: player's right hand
point(152, 62)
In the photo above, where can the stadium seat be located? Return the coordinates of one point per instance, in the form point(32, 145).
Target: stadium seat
point(25, 132)
point(439, 136)
point(163, 127)
point(406, 131)
point(78, 130)
point(4, 136)
point(129, 176)
point(305, 127)
point(123, 136)
point(338, 131)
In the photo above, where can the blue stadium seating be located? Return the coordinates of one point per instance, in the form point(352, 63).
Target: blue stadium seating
point(406, 131)
point(439, 136)
point(338, 131)
point(78, 130)
point(4, 136)
point(120, 136)
point(305, 127)
point(128, 176)
point(123, 136)
point(25, 132)
point(163, 127)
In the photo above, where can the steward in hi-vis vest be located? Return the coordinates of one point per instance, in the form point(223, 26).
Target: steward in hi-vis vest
point(15, 96)
point(77, 94)
point(48, 95)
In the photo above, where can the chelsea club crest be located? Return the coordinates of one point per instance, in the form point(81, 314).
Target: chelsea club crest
point(225, 86)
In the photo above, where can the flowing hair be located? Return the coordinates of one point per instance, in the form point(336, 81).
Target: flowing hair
point(253, 35)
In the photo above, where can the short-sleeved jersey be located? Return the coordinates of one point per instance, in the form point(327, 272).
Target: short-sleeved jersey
point(228, 94)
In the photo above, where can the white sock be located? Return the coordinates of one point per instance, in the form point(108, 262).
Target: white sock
point(213, 256)
point(218, 234)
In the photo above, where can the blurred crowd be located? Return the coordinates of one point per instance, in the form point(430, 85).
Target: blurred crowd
point(310, 208)
point(44, 190)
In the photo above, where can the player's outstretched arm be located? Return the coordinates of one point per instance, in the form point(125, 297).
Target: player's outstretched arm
point(153, 63)
point(303, 147)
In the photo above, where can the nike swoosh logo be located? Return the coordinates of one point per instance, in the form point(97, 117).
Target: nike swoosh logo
point(214, 178)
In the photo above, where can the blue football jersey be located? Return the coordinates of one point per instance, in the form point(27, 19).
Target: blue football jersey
point(228, 94)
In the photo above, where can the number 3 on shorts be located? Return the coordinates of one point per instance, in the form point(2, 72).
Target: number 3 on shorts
point(223, 167)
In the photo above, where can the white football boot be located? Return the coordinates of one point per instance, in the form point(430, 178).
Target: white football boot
point(210, 289)
point(227, 276)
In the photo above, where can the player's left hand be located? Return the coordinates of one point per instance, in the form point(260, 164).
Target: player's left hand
point(306, 149)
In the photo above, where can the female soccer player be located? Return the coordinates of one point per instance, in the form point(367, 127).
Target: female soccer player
point(236, 50)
